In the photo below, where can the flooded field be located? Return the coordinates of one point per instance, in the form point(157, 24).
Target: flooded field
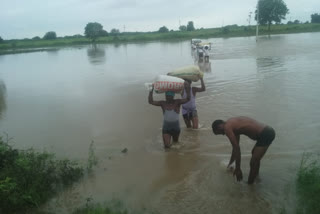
point(64, 99)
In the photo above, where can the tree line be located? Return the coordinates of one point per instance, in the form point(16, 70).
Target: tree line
point(267, 12)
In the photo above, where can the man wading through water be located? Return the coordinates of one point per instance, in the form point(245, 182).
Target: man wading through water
point(171, 110)
point(189, 110)
point(233, 128)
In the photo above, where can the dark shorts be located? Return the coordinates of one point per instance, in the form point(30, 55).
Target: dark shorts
point(266, 137)
point(171, 128)
point(190, 115)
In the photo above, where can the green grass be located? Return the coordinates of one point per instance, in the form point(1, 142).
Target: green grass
point(113, 207)
point(308, 185)
point(18, 46)
point(29, 178)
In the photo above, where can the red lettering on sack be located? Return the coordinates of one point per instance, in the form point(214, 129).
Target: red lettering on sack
point(165, 85)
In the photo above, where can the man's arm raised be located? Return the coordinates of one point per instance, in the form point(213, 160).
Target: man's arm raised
point(150, 99)
point(203, 87)
point(187, 89)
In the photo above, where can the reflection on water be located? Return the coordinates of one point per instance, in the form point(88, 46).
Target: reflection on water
point(96, 54)
point(116, 45)
point(205, 66)
point(53, 52)
point(267, 64)
point(3, 94)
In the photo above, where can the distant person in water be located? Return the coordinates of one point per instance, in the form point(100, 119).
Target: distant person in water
point(233, 128)
point(171, 110)
point(189, 110)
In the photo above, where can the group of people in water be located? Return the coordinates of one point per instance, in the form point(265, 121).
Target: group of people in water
point(232, 128)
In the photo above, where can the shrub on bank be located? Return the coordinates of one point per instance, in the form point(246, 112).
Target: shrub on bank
point(308, 185)
point(112, 207)
point(29, 178)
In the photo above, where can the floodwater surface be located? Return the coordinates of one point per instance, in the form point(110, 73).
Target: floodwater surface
point(62, 100)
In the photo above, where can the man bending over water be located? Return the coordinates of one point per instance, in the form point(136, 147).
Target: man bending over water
point(171, 109)
point(233, 128)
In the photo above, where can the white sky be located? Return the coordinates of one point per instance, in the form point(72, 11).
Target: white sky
point(28, 18)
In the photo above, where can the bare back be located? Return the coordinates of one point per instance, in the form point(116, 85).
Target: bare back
point(245, 126)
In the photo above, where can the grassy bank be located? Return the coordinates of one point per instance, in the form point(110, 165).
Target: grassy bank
point(29, 178)
point(18, 46)
point(111, 207)
point(308, 185)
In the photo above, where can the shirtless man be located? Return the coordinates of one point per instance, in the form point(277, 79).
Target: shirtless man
point(171, 109)
point(233, 128)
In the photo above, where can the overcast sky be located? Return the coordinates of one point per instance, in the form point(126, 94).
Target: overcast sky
point(28, 18)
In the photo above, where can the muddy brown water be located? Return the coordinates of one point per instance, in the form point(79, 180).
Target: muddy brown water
point(61, 100)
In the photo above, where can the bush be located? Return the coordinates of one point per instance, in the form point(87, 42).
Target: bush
point(183, 28)
point(308, 185)
point(225, 30)
point(29, 178)
point(101, 209)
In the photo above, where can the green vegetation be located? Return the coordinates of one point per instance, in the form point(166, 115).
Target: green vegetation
point(315, 18)
point(308, 185)
point(50, 35)
point(163, 29)
point(17, 46)
point(36, 38)
point(190, 26)
point(112, 207)
point(271, 11)
point(93, 30)
point(183, 28)
point(114, 32)
point(29, 178)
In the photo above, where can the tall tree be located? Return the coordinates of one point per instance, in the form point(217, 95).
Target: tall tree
point(50, 35)
point(163, 29)
point(315, 18)
point(93, 30)
point(1, 40)
point(103, 33)
point(114, 32)
point(296, 21)
point(271, 11)
point(183, 28)
point(190, 26)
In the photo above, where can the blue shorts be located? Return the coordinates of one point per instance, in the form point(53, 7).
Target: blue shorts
point(171, 128)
